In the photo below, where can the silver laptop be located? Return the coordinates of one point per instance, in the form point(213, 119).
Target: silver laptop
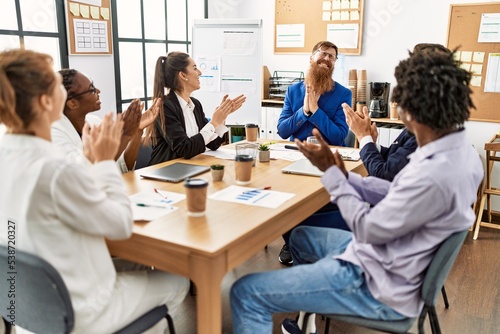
point(302, 167)
point(175, 172)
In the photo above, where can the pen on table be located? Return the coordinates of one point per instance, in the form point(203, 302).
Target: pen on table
point(152, 205)
point(159, 193)
point(261, 188)
point(291, 147)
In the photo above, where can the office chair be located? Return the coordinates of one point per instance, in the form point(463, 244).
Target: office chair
point(433, 283)
point(144, 156)
point(42, 301)
point(350, 139)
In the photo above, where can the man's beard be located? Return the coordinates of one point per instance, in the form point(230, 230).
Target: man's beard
point(320, 78)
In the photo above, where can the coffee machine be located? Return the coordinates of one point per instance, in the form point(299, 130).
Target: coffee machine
point(379, 99)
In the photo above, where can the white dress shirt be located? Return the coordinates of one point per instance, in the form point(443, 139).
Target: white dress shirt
point(395, 239)
point(208, 132)
point(63, 213)
point(65, 136)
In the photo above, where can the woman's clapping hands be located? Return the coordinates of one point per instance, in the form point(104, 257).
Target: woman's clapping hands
point(225, 108)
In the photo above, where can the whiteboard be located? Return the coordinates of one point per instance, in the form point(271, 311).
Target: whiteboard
point(228, 52)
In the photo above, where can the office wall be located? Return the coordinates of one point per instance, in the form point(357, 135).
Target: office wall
point(101, 69)
point(391, 28)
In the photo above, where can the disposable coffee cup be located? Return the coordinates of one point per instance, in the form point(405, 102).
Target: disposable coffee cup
point(393, 111)
point(250, 149)
point(360, 105)
point(251, 131)
point(243, 169)
point(196, 196)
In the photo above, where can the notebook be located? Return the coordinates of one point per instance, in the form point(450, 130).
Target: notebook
point(175, 172)
point(302, 167)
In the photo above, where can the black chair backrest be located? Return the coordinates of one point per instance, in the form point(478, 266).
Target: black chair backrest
point(143, 157)
point(440, 266)
point(350, 139)
point(33, 294)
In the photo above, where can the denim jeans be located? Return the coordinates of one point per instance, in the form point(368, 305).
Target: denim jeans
point(316, 283)
point(327, 216)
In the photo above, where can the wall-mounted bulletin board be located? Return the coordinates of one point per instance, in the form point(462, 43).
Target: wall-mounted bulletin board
point(89, 27)
point(300, 24)
point(475, 30)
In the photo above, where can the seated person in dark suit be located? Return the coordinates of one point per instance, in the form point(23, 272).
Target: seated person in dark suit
point(379, 161)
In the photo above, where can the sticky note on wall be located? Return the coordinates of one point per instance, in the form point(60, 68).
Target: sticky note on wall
point(94, 12)
point(85, 11)
point(105, 13)
point(74, 8)
point(478, 57)
point(476, 69)
point(336, 16)
point(466, 56)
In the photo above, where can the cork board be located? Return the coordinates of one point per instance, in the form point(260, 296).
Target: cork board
point(300, 24)
point(89, 27)
point(470, 30)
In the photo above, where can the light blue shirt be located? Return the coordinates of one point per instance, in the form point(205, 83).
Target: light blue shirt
point(396, 235)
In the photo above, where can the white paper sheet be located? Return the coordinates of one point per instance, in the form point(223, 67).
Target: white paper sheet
point(222, 153)
point(344, 35)
point(150, 205)
point(492, 83)
point(349, 154)
point(278, 151)
point(290, 35)
point(489, 30)
point(150, 213)
point(252, 196)
point(211, 71)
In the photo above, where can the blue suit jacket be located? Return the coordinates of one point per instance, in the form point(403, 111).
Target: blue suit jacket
point(390, 160)
point(329, 119)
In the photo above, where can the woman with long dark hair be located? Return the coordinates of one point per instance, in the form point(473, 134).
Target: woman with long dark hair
point(182, 130)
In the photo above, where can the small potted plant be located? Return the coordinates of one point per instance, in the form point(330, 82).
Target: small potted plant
point(237, 134)
point(217, 172)
point(264, 153)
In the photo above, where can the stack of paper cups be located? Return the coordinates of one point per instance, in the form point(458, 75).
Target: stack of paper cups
point(353, 100)
point(361, 86)
point(353, 83)
point(393, 111)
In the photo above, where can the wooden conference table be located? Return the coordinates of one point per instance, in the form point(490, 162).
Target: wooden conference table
point(205, 249)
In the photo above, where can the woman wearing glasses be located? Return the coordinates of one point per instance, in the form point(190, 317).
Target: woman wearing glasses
point(182, 130)
point(83, 99)
point(316, 102)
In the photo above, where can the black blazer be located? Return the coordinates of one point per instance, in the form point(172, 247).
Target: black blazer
point(172, 142)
